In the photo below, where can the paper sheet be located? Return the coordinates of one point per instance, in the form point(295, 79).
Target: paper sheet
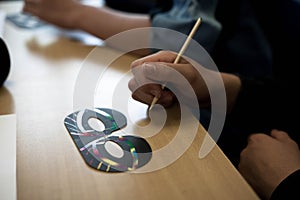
point(8, 182)
point(2, 20)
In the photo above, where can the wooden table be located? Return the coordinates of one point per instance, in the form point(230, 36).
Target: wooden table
point(40, 91)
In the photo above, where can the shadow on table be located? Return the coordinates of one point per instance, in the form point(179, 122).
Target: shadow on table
point(7, 105)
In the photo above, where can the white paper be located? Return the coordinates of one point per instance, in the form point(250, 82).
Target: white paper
point(8, 182)
point(2, 21)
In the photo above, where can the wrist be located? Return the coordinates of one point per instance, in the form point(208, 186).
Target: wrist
point(232, 84)
point(76, 17)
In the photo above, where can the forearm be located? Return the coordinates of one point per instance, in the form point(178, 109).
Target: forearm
point(228, 82)
point(260, 97)
point(104, 22)
point(232, 84)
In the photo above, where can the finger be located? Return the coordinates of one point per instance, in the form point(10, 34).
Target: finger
point(139, 80)
point(144, 93)
point(142, 97)
point(280, 135)
point(30, 1)
point(132, 84)
point(26, 7)
point(167, 72)
point(154, 89)
point(167, 99)
point(30, 6)
point(257, 137)
point(161, 56)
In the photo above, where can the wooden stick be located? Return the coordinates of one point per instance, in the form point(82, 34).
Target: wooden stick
point(181, 52)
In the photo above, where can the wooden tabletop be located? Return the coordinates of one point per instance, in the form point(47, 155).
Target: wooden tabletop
point(40, 90)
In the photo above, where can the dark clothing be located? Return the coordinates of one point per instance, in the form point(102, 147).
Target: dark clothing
point(229, 32)
point(4, 61)
point(242, 46)
point(270, 102)
point(288, 188)
point(136, 6)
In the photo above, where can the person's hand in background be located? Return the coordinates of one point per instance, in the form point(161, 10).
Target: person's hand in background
point(268, 160)
point(62, 13)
